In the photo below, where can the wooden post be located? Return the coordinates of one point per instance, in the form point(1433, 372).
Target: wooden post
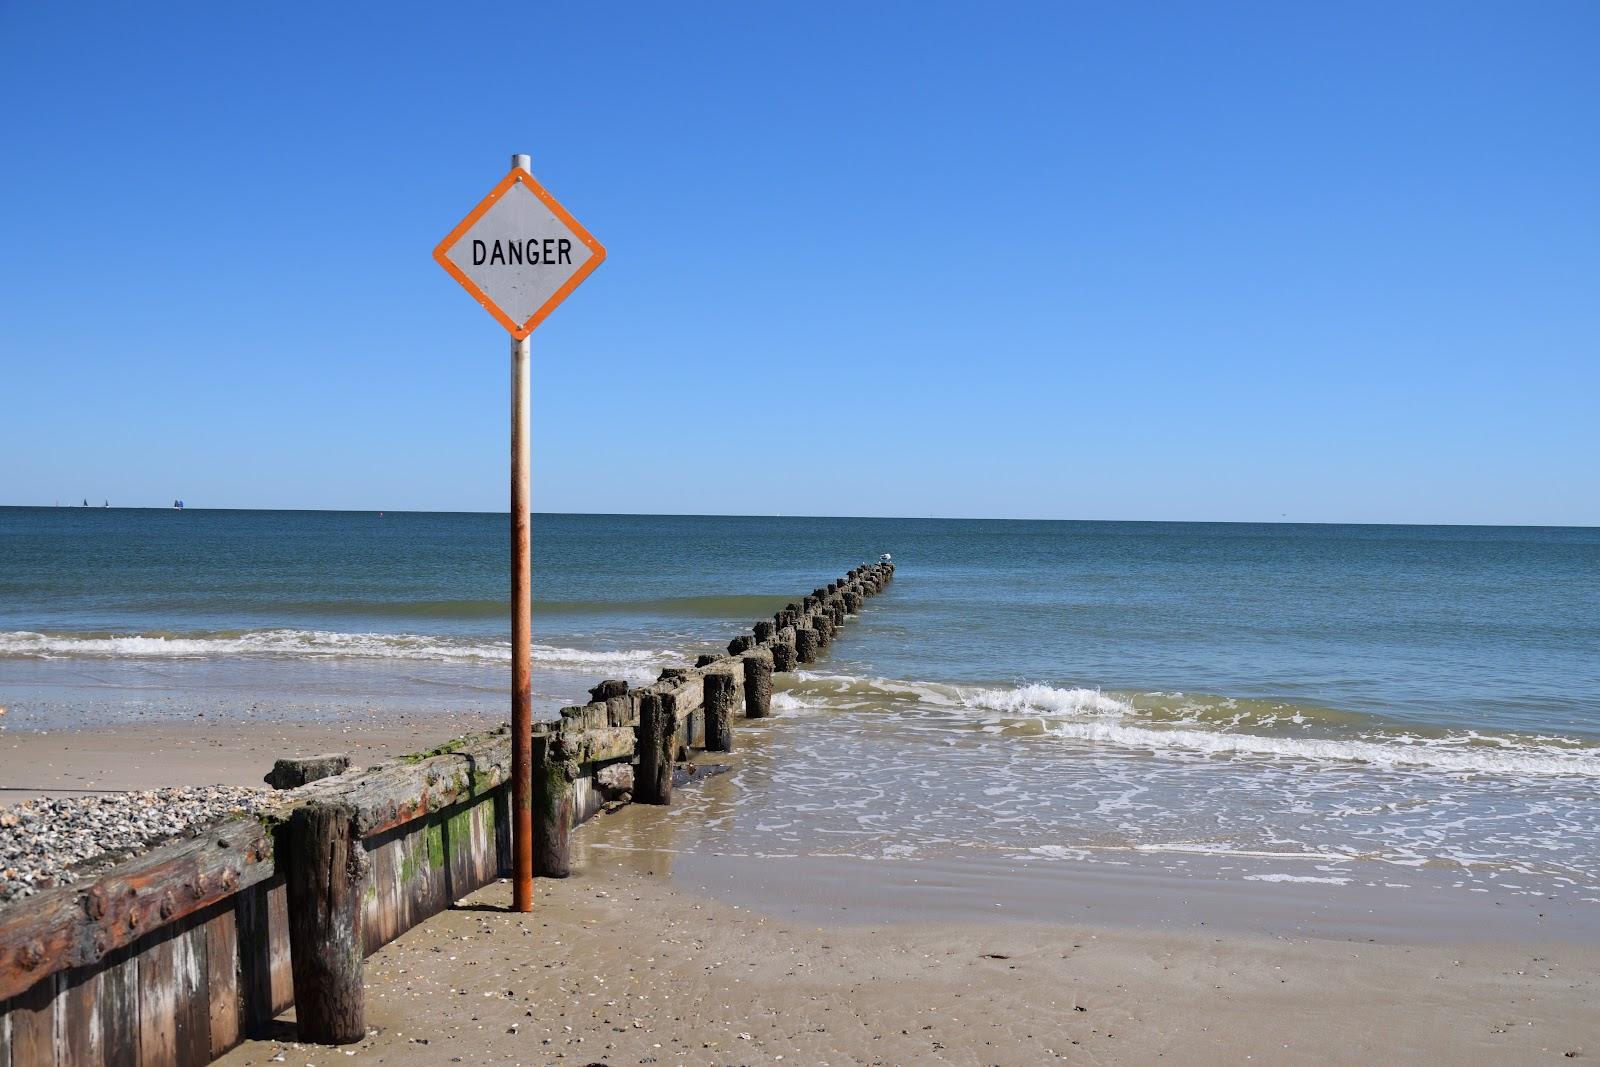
point(658, 729)
point(619, 706)
point(758, 685)
point(806, 645)
point(719, 711)
point(326, 866)
point(783, 656)
point(296, 771)
point(764, 631)
point(552, 824)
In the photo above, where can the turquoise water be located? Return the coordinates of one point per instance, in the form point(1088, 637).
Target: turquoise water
point(1400, 695)
point(1491, 628)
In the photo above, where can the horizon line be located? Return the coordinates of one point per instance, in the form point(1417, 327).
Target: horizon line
point(779, 515)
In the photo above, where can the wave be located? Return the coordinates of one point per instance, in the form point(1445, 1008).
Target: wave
point(313, 644)
point(1177, 724)
point(1453, 754)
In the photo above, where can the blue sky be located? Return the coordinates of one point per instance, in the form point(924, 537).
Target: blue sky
point(1199, 261)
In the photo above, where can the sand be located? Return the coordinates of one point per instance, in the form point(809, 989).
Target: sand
point(621, 967)
point(199, 752)
point(647, 956)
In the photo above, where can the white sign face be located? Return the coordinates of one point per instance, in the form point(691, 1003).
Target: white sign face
point(519, 253)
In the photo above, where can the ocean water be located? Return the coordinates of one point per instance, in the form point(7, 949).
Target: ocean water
point(1313, 703)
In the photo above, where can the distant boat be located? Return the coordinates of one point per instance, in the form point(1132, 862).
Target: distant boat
point(178, 505)
point(85, 501)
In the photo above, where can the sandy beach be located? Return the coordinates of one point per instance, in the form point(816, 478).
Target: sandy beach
point(650, 954)
point(147, 756)
point(1017, 534)
point(621, 967)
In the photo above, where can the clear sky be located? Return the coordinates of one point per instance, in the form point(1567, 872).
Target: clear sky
point(1334, 262)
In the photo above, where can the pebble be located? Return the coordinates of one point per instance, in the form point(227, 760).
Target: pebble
point(54, 841)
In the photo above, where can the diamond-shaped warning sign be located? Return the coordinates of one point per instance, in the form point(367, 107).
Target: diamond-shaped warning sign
point(519, 253)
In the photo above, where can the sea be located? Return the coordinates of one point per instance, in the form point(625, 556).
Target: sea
point(1281, 704)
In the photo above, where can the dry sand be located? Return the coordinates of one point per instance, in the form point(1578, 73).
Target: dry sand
point(621, 967)
point(112, 758)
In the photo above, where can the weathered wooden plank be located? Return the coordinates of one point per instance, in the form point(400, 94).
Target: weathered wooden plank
point(77, 1023)
point(371, 901)
point(38, 937)
point(502, 831)
point(119, 1008)
point(483, 850)
point(458, 851)
point(255, 958)
point(581, 717)
point(385, 879)
point(192, 1015)
point(412, 885)
point(278, 947)
point(403, 790)
point(78, 926)
point(403, 865)
point(158, 1007)
point(33, 1022)
point(380, 887)
point(225, 1015)
point(429, 895)
point(597, 745)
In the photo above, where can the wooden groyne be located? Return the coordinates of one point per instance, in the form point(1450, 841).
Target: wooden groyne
point(173, 957)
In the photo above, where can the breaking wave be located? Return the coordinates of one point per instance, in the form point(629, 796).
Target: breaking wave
point(1200, 726)
point(313, 644)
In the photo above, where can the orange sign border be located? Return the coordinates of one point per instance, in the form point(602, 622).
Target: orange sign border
point(597, 250)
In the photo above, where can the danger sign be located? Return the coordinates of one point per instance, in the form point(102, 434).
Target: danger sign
point(519, 253)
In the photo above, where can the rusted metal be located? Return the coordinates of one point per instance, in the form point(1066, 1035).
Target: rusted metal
point(78, 926)
point(521, 625)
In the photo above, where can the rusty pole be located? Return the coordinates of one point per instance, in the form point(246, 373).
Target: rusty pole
point(521, 626)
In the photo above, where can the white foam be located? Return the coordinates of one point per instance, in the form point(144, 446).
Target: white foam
point(624, 657)
point(1044, 700)
point(1090, 715)
point(313, 644)
point(1228, 850)
point(1059, 852)
point(1295, 878)
point(1439, 756)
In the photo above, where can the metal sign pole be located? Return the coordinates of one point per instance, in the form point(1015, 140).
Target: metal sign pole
point(520, 253)
point(521, 623)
